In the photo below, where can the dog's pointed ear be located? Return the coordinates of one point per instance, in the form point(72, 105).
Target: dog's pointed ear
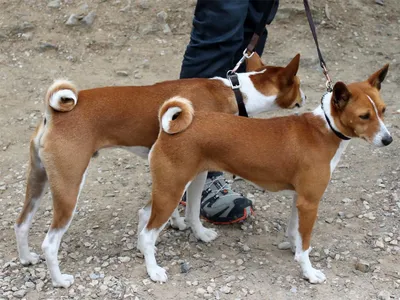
point(291, 69)
point(378, 77)
point(341, 95)
point(254, 63)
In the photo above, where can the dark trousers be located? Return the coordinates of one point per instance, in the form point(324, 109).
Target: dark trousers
point(222, 29)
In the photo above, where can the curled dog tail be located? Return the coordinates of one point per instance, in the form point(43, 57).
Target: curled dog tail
point(62, 95)
point(175, 115)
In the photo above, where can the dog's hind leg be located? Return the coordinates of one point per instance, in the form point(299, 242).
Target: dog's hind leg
point(36, 186)
point(66, 178)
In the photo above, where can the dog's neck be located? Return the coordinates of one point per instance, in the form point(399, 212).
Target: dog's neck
point(255, 101)
point(324, 111)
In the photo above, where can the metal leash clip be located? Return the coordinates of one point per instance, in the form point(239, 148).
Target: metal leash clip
point(244, 57)
point(328, 83)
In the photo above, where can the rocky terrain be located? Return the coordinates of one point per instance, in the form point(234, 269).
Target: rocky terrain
point(135, 42)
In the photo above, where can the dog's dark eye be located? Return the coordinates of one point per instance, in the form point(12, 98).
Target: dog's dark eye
point(383, 110)
point(365, 116)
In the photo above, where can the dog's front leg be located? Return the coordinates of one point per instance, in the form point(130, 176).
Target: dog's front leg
point(192, 213)
point(307, 214)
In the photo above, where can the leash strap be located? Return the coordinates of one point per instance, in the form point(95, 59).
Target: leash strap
point(247, 53)
point(314, 33)
point(235, 85)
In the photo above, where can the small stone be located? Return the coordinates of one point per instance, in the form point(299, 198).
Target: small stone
point(166, 29)
point(370, 216)
point(210, 290)
point(384, 295)
point(162, 16)
point(329, 220)
point(195, 283)
point(89, 19)
point(200, 291)
point(223, 256)
point(130, 246)
point(379, 243)
point(54, 4)
point(284, 246)
point(239, 262)
point(185, 267)
point(72, 20)
point(144, 4)
point(246, 248)
point(30, 285)
point(146, 281)
point(94, 276)
point(393, 242)
point(363, 266)
point(124, 74)
point(124, 259)
point(44, 46)
point(19, 294)
point(293, 290)
point(225, 289)
point(349, 216)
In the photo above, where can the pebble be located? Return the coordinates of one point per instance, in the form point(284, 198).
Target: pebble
point(363, 266)
point(89, 19)
point(124, 259)
point(19, 294)
point(370, 216)
point(225, 289)
point(379, 243)
point(44, 46)
point(72, 20)
point(54, 4)
point(200, 291)
point(146, 281)
point(144, 4)
point(185, 267)
point(246, 248)
point(122, 73)
point(384, 295)
point(239, 262)
point(284, 246)
point(329, 220)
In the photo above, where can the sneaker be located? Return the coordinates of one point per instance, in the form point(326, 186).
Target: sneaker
point(220, 204)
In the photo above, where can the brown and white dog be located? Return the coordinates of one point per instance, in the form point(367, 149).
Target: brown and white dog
point(77, 124)
point(297, 152)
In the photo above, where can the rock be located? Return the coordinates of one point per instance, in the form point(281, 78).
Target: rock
point(146, 281)
point(166, 29)
point(239, 262)
point(19, 294)
point(44, 46)
point(200, 291)
point(144, 4)
point(380, 2)
point(123, 74)
point(329, 220)
point(284, 246)
point(363, 266)
point(379, 243)
point(89, 19)
point(246, 248)
point(162, 16)
point(73, 20)
point(225, 289)
point(124, 259)
point(54, 4)
point(384, 295)
point(370, 216)
point(185, 267)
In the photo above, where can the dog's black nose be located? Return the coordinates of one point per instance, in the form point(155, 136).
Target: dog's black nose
point(387, 140)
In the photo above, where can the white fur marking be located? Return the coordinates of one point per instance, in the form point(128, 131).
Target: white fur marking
point(256, 102)
point(383, 132)
point(146, 244)
point(167, 117)
point(55, 98)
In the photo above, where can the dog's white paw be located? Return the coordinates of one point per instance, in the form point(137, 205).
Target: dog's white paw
point(314, 276)
point(179, 223)
point(157, 274)
point(64, 281)
point(205, 234)
point(31, 259)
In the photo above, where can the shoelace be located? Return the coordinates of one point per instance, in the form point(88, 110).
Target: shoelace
point(221, 188)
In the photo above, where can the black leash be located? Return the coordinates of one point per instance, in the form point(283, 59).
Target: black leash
point(247, 53)
point(314, 33)
point(329, 87)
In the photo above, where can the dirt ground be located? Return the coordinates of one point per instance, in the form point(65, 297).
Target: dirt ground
point(125, 45)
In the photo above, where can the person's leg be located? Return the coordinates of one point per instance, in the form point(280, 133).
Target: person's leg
point(217, 35)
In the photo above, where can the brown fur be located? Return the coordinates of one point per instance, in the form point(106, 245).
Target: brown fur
point(286, 153)
point(114, 116)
